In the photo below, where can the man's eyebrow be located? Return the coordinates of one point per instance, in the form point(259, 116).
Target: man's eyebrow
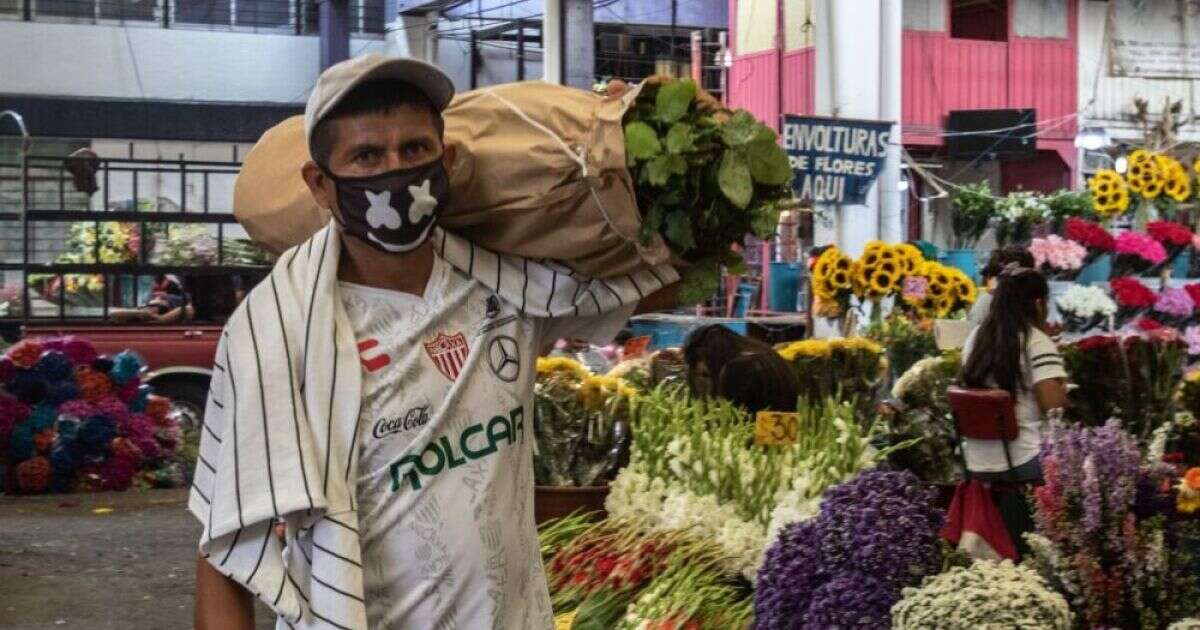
point(365, 145)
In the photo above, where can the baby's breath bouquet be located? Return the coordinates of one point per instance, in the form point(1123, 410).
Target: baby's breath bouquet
point(986, 595)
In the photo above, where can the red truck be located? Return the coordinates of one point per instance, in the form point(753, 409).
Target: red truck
point(79, 263)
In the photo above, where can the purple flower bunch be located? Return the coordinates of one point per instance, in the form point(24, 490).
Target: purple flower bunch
point(875, 535)
point(1087, 511)
point(1175, 306)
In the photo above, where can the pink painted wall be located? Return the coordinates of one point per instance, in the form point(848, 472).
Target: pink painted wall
point(754, 85)
point(799, 94)
point(940, 74)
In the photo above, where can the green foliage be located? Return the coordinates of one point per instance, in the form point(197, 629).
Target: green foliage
point(974, 207)
point(704, 178)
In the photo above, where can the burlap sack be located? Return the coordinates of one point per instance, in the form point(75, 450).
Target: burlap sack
point(540, 172)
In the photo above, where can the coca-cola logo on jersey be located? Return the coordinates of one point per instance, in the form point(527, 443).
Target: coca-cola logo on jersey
point(416, 418)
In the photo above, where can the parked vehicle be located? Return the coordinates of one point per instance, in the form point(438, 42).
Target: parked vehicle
point(92, 236)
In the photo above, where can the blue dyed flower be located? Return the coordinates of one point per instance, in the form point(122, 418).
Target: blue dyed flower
point(28, 386)
point(54, 366)
point(42, 417)
point(62, 391)
point(126, 365)
point(138, 404)
point(95, 434)
point(67, 428)
point(20, 443)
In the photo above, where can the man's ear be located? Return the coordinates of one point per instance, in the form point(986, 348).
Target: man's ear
point(319, 184)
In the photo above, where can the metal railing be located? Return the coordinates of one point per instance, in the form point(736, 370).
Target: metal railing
point(118, 199)
point(267, 16)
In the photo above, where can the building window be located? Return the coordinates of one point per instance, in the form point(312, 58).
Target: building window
point(127, 10)
point(979, 19)
point(1040, 18)
point(207, 12)
point(925, 15)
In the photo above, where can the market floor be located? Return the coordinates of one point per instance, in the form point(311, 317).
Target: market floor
point(65, 565)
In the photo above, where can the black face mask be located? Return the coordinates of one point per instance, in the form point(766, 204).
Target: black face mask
point(393, 211)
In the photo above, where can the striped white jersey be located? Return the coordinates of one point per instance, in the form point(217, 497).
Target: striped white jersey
point(445, 479)
point(290, 404)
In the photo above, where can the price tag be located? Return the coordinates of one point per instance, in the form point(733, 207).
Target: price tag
point(636, 347)
point(775, 427)
point(564, 621)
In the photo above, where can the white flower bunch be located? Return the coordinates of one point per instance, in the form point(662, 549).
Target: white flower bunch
point(986, 595)
point(694, 465)
point(1185, 624)
point(1086, 302)
point(1023, 206)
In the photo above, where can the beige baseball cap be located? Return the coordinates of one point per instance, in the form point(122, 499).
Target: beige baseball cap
point(340, 79)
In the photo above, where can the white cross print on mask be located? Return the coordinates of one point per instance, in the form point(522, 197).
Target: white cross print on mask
point(423, 205)
point(381, 212)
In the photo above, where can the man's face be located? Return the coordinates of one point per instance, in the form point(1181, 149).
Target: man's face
point(377, 142)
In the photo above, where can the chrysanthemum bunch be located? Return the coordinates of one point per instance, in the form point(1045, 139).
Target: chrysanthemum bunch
point(875, 535)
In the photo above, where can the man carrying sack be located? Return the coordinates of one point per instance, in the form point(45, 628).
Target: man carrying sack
point(374, 392)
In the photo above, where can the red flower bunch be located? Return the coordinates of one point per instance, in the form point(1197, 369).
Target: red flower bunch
point(1090, 235)
point(1169, 233)
point(1148, 324)
point(1130, 293)
point(1096, 342)
point(598, 560)
point(1193, 291)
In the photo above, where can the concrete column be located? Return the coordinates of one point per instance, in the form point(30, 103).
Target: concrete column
point(552, 41)
point(848, 82)
point(893, 202)
point(412, 36)
point(579, 44)
point(333, 21)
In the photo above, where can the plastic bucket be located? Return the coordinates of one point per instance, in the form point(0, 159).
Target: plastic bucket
point(966, 260)
point(785, 284)
point(1182, 264)
point(1098, 271)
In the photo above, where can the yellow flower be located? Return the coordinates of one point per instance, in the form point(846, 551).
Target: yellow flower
point(1193, 376)
point(944, 306)
point(1110, 193)
point(808, 349)
point(883, 283)
point(840, 279)
point(1189, 492)
point(547, 366)
point(595, 391)
point(874, 246)
point(911, 256)
point(860, 344)
point(1176, 183)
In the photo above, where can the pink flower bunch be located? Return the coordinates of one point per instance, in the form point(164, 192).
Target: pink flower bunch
point(1142, 246)
point(1057, 253)
point(1192, 338)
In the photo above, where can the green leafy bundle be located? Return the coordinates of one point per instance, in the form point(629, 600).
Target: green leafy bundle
point(704, 179)
point(974, 207)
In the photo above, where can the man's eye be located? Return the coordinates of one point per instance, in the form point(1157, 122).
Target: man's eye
point(367, 156)
point(414, 149)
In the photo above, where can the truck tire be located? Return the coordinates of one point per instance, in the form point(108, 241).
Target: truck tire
point(188, 398)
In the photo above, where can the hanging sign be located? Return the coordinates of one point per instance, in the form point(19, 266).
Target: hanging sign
point(1154, 39)
point(834, 160)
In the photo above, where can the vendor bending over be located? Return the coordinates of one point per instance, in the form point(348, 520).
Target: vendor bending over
point(168, 303)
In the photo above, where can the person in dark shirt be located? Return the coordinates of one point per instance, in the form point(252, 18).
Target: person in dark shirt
point(168, 304)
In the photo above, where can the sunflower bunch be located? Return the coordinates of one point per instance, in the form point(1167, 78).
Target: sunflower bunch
point(832, 282)
point(947, 291)
point(1145, 174)
point(1176, 183)
point(882, 268)
point(1110, 194)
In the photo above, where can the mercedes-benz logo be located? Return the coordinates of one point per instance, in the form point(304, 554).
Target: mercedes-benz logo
point(504, 356)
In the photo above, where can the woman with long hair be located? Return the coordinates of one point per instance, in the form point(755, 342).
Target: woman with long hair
point(1010, 351)
point(746, 371)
